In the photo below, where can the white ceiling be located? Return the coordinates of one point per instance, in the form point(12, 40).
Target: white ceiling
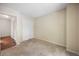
point(35, 9)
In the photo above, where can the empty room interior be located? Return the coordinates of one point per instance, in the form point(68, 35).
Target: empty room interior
point(39, 29)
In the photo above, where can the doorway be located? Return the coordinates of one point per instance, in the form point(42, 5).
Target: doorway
point(7, 31)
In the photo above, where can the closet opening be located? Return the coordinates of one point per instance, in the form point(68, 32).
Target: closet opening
point(7, 31)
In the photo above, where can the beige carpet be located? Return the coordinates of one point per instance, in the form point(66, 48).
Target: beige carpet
point(36, 47)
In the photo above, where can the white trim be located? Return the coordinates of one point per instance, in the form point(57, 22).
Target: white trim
point(54, 43)
point(76, 52)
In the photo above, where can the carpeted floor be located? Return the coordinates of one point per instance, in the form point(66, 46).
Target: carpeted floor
point(36, 47)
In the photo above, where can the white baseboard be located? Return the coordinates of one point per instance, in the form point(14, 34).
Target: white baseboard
point(75, 52)
point(58, 44)
point(54, 43)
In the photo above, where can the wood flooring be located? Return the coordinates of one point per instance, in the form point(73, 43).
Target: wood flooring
point(6, 42)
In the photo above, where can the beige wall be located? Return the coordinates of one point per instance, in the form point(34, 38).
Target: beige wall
point(51, 28)
point(72, 22)
point(78, 31)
